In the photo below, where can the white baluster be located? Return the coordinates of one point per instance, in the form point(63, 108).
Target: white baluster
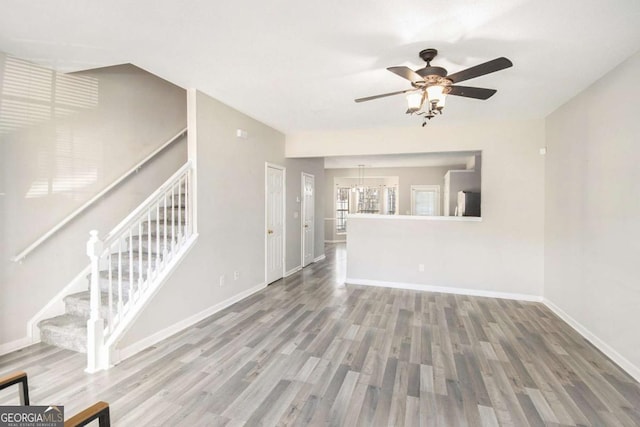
point(187, 205)
point(158, 236)
point(95, 324)
point(165, 249)
point(180, 224)
point(120, 303)
point(173, 220)
point(130, 267)
point(149, 253)
point(109, 294)
point(139, 259)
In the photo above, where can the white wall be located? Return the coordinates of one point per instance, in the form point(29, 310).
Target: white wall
point(75, 134)
point(592, 236)
point(508, 246)
point(231, 212)
point(457, 255)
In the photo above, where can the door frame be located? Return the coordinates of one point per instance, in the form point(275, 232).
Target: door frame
point(302, 216)
point(268, 165)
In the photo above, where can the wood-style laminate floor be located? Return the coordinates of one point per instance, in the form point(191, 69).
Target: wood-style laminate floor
point(309, 350)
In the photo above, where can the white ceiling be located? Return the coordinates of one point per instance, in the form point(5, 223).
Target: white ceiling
point(400, 160)
point(298, 65)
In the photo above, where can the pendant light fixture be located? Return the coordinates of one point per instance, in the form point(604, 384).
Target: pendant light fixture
point(360, 185)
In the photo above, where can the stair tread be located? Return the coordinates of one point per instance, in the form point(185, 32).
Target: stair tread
point(67, 331)
point(125, 275)
point(86, 296)
point(68, 323)
point(145, 235)
point(153, 221)
point(125, 255)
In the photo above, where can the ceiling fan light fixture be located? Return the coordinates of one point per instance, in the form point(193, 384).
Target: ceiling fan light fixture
point(414, 102)
point(431, 85)
point(435, 93)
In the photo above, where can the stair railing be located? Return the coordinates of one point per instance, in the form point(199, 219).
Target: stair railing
point(98, 411)
point(19, 378)
point(128, 265)
point(19, 257)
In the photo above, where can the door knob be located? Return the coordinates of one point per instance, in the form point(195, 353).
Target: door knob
point(269, 231)
point(306, 226)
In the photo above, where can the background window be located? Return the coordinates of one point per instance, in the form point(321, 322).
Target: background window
point(425, 200)
point(391, 207)
point(342, 208)
point(368, 200)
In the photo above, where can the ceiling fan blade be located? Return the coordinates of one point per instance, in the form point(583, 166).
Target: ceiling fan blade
point(369, 98)
point(406, 73)
point(472, 92)
point(480, 70)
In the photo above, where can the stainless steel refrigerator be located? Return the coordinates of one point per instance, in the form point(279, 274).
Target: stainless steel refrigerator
point(468, 204)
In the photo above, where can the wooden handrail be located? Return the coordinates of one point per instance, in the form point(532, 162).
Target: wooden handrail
point(55, 229)
point(98, 411)
point(17, 378)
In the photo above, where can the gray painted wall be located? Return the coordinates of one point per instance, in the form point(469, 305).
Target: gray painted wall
point(295, 167)
point(92, 127)
point(592, 210)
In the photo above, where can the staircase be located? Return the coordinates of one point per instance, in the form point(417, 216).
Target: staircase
point(70, 329)
point(137, 256)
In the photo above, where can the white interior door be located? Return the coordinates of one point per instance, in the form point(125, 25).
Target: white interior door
point(308, 218)
point(274, 237)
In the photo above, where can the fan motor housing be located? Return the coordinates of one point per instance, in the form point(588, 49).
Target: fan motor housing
point(429, 71)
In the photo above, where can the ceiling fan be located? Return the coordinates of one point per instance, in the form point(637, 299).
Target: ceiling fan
point(431, 85)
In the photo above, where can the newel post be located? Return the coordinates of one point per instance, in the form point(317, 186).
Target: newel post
point(95, 324)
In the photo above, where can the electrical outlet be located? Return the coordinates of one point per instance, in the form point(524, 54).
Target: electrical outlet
point(222, 280)
point(421, 267)
point(236, 275)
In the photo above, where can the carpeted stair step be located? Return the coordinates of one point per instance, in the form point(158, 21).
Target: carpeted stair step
point(182, 202)
point(175, 212)
point(158, 227)
point(157, 243)
point(103, 281)
point(126, 261)
point(66, 331)
point(79, 304)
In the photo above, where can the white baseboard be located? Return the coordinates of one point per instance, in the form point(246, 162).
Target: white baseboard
point(183, 324)
point(335, 241)
point(293, 271)
point(445, 289)
point(629, 367)
point(320, 258)
point(18, 344)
